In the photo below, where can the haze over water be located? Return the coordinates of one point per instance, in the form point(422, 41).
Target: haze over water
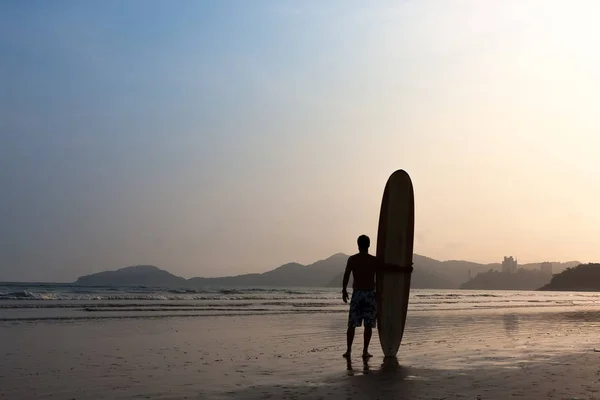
point(214, 138)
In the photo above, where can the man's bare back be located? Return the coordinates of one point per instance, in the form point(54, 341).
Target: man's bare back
point(363, 267)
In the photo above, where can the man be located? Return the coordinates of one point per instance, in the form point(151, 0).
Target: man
point(363, 305)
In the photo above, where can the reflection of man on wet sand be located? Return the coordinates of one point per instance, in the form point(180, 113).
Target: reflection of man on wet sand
point(363, 305)
point(511, 323)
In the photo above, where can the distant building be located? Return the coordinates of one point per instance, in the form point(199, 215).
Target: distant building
point(546, 268)
point(509, 265)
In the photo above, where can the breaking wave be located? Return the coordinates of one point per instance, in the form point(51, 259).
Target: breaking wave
point(31, 302)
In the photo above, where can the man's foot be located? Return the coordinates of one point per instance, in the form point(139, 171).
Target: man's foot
point(366, 354)
point(346, 354)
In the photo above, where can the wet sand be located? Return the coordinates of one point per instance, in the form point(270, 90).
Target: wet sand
point(475, 354)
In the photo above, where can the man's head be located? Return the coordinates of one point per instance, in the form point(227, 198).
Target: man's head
point(363, 243)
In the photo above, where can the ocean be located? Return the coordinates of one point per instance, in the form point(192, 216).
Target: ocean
point(63, 341)
point(46, 301)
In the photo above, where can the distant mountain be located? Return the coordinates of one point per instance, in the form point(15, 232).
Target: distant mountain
point(557, 267)
point(328, 273)
point(527, 277)
point(521, 279)
point(138, 275)
point(420, 279)
point(428, 274)
point(584, 277)
point(425, 275)
point(458, 271)
point(292, 274)
point(453, 271)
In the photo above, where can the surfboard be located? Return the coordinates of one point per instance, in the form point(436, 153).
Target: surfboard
point(395, 239)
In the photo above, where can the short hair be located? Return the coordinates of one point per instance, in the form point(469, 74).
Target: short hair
point(363, 242)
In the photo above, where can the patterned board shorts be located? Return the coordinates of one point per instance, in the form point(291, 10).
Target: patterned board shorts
point(363, 306)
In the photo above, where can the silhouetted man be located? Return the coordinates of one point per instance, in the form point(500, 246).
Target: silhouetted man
point(363, 306)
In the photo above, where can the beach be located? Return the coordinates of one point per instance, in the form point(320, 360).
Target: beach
point(462, 353)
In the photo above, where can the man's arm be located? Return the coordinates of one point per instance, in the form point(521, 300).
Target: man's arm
point(395, 267)
point(346, 275)
point(345, 282)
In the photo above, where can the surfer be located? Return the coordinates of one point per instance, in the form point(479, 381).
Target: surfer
point(363, 305)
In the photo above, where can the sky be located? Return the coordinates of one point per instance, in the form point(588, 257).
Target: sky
point(214, 138)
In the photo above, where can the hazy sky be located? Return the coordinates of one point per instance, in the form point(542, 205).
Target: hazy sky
point(220, 137)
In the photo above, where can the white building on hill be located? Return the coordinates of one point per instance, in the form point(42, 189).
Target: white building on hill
point(509, 265)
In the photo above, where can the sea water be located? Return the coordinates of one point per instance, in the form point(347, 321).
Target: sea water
point(46, 301)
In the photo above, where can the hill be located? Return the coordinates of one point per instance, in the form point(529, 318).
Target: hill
point(317, 274)
point(522, 279)
point(557, 267)
point(138, 275)
point(428, 274)
point(425, 275)
point(527, 277)
point(420, 280)
point(584, 277)
point(327, 272)
point(453, 271)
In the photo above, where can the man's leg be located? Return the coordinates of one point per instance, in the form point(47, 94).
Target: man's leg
point(352, 323)
point(349, 340)
point(370, 321)
point(368, 333)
